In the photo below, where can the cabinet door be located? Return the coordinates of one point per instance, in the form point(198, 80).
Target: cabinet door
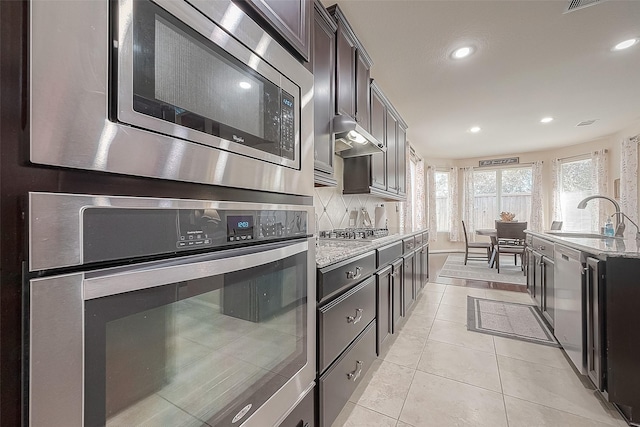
point(529, 268)
point(397, 277)
point(596, 354)
point(324, 50)
point(402, 159)
point(384, 316)
point(345, 72)
point(392, 153)
point(408, 292)
point(362, 91)
point(291, 20)
point(537, 280)
point(378, 120)
point(424, 266)
point(548, 292)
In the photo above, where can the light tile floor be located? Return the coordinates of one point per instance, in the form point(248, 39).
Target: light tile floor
point(438, 374)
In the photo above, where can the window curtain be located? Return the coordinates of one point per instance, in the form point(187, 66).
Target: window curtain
point(419, 204)
point(556, 205)
point(454, 219)
point(599, 176)
point(629, 177)
point(536, 222)
point(432, 221)
point(406, 208)
point(468, 202)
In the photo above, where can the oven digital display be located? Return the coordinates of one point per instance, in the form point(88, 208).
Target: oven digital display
point(239, 227)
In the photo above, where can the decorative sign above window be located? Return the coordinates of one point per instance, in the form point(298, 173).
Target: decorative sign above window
point(498, 162)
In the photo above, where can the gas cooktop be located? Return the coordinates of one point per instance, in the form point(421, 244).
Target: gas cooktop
point(354, 233)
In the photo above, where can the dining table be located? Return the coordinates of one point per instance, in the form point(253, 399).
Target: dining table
point(493, 235)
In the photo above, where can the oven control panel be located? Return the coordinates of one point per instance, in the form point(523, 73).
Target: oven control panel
point(218, 228)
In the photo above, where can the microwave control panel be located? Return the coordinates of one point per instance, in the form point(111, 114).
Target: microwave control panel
point(288, 129)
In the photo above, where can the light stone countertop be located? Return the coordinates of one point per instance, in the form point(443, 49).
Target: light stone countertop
point(602, 247)
point(331, 251)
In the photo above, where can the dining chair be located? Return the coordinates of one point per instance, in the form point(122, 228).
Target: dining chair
point(510, 239)
point(556, 225)
point(474, 245)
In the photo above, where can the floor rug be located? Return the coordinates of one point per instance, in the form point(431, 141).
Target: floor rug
point(508, 319)
point(479, 270)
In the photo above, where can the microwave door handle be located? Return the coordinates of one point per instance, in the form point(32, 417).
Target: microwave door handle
point(190, 268)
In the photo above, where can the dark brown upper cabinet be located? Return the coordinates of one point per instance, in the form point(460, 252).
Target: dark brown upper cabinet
point(378, 130)
point(381, 174)
point(401, 165)
point(353, 65)
point(323, 66)
point(289, 20)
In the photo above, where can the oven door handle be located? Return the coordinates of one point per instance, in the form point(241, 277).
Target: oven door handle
point(189, 268)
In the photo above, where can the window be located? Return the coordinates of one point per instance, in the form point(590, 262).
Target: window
point(498, 190)
point(442, 200)
point(575, 184)
point(414, 194)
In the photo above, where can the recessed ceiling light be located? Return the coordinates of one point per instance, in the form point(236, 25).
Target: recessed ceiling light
point(625, 44)
point(546, 120)
point(244, 85)
point(475, 129)
point(462, 52)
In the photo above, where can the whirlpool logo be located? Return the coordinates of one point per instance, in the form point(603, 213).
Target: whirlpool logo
point(243, 411)
point(237, 138)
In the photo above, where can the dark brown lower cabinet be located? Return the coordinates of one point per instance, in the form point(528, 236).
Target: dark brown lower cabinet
point(596, 340)
point(408, 286)
point(423, 276)
point(339, 381)
point(398, 276)
point(384, 283)
point(622, 299)
point(304, 414)
point(341, 320)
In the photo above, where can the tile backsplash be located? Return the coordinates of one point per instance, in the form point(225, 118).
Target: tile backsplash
point(334, 208)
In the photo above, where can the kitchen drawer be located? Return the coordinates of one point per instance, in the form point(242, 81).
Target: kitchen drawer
point(418, 240)
point(335, 277)
point(545, 247)
point(340, 321)
point(408, 244)
point(340, 381)
point(425, 238)
point(529, 239)
point(388, 254)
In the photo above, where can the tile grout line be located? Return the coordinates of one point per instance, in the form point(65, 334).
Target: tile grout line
point(504, 402)
point(415, 370)
point(568, 368)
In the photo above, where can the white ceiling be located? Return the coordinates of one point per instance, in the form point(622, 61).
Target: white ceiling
point(531, 61)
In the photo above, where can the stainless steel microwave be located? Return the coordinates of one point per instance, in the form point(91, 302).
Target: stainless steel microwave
point(188, 91)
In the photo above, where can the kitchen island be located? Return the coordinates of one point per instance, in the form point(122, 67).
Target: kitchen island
point(593, 295)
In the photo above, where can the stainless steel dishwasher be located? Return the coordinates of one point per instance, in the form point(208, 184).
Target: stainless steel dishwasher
point(569, 304)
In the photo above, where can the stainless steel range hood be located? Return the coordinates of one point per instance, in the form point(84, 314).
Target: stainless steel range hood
point(352, 140)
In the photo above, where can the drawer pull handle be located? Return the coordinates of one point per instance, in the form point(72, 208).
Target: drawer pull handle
point(357, 318)
point(353, 376)
point(354, 275)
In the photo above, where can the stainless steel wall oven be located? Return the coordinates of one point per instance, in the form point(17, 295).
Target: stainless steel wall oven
point(188, 91)
point(148, 311)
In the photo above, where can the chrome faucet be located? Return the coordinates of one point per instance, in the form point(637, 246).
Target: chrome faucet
point(620, 226)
